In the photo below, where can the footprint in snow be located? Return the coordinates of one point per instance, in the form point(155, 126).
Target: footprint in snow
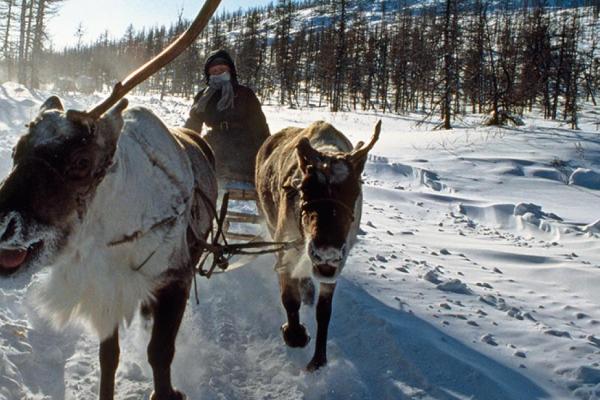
point(557, 333)
point(497, 302)
point(455, 286)
point(593, 340)
point(432, 276)
point(489, 339)
point(381, 258)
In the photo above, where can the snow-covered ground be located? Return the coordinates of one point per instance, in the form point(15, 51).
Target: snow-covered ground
point(477, 275)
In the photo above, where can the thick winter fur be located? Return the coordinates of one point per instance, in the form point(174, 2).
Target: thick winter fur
point(115, 211)
point(308, 182)
point(152, 180)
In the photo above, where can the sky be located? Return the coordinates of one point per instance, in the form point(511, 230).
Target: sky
point(115, 15)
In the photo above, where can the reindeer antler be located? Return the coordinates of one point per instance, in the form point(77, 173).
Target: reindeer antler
point(154, 65)
point(360, 149)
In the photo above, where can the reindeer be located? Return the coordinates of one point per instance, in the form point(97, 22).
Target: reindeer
point(118, 206)
point(313, 197)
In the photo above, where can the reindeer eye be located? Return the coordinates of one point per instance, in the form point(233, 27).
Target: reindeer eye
point(82, 163)
point(79, 167)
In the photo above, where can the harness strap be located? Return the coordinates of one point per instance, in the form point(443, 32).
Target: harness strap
point(223, 252)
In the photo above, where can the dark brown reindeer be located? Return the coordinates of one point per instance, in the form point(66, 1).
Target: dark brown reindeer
point(117, 206)
point(309, 186)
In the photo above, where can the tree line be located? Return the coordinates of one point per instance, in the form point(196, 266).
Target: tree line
point(23, 33)
point(443, 60)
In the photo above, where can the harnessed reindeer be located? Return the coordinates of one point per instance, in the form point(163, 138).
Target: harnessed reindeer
point(314, 197)
point(118, 205)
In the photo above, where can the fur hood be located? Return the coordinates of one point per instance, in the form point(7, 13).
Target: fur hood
point(228, 60)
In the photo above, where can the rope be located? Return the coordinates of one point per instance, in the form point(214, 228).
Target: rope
point(218, 246)
point(221, 250)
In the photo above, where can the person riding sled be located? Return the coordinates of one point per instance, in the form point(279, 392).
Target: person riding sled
point(233, 114)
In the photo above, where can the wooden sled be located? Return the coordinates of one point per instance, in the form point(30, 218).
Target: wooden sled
point(239, 237)
point(242, 222)
point(236, 219)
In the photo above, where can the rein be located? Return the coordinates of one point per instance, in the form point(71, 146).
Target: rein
point(221, 250)
point(217, 246)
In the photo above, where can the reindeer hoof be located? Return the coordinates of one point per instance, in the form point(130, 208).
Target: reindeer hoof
point(316, 363)
point(295, 337)
point(174, 395)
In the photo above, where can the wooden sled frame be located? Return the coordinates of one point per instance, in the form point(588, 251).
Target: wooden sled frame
point(249, 195)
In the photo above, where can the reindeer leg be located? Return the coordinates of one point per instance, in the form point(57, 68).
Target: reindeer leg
point(323, 316)
point(109, 360)
point(294, 333)
point(168, 311)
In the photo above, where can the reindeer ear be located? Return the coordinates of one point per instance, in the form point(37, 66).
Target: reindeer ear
point(307, 155)
point(358, 157)
point(120, 107)
point(52, 103)
point(115, 113)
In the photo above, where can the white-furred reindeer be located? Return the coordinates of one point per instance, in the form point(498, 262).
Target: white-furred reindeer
point(117, 205)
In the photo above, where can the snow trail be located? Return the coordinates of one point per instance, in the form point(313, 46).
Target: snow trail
point(476, 275)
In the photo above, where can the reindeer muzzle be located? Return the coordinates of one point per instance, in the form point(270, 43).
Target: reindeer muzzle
point(324, 270)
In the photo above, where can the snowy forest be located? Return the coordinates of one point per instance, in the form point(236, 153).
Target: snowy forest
point(444, 58)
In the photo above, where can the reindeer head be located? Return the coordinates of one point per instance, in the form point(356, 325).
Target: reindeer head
point(330, 187)
point(57, 166)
